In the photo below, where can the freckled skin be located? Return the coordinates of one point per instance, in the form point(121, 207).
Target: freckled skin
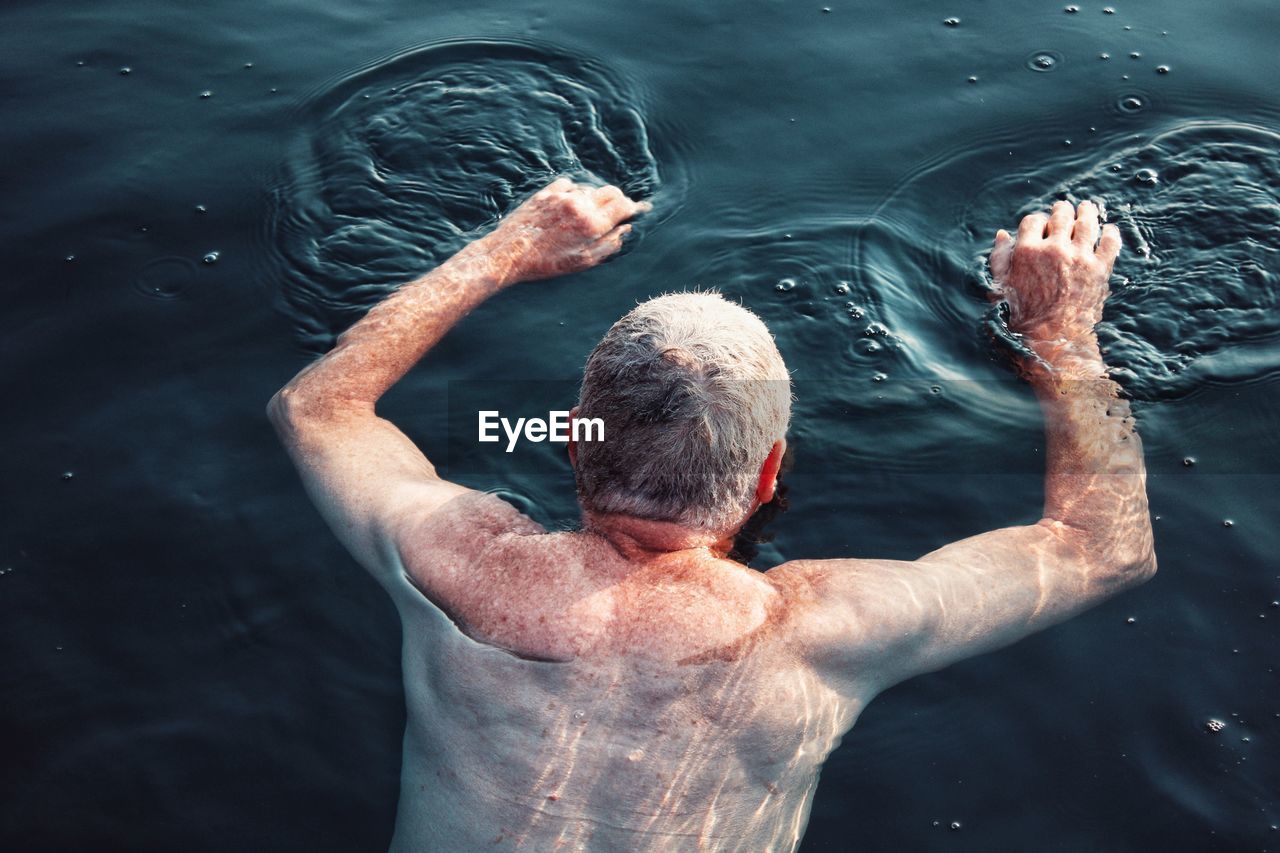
point(625, 687)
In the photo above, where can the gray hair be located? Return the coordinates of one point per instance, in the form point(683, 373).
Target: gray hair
point(693, 394)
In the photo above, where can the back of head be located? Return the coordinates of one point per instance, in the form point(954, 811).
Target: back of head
point(693, 394)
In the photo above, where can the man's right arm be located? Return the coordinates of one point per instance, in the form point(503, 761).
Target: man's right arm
point(872, 623)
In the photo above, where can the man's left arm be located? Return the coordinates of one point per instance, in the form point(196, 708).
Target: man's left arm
point(365, 476)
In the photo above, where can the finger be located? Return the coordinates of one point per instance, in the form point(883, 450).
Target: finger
point(1001, 256)
point(1061, 220)
point(607, 194)
point(559, 185)
point(1031, 229)
point(1085, 231)
point(609, 243)
point(1109, 245)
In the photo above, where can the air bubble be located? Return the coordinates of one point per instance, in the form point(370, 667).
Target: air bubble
point(1104, 56)
point(1162, 69)
point(952, 22)
point(69, 258)
point(787, 284)
point(955, 825)
point(1131, 621)
point(879, 377)
point(1226, 522)
point(200, 208)
point(248, 65)
point(973, 79)
point(125, 70)
point(1043, 61)
point(1071, 10)
point(206, 94)
point(1108, 11)
point(579, 716)
point(1135, 55)
point(211, 257)
point(1132, 104)
point(1189, 462)
point(1215, 725)
point(68, 475)
point(842, 288)
point(935, 389)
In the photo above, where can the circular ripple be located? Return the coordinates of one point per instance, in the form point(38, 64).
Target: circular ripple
point(400, 165)
point(1196, 297)
point(165, 278)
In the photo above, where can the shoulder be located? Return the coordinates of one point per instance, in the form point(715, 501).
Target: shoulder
point(437, 548)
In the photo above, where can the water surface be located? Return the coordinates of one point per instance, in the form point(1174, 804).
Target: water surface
point(198, 199)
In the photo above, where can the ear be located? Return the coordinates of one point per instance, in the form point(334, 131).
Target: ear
point(570, 446)
point(769, 472)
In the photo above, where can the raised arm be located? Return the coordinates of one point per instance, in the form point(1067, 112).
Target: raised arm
point(872, 623)
point(366, 477)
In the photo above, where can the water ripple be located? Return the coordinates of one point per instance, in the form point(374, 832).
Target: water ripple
point(399, 165)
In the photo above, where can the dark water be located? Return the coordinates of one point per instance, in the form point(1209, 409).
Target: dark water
point(192, 663)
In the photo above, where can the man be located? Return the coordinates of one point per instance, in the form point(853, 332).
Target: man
point(625, 686)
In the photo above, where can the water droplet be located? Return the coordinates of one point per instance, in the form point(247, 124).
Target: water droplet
point(211, 257)
point(842, 288)
point(1104, 56)
point(1071, 10)
point(955, 824)
point(579, 716)
point(1226, 522)
point(206, 94)
point(1149, 177)
point(1162, 69)
point(952, 22)
point(124, 70)
point(787, 284)
point(1189, 462)
point(1215, 725)
point(67, 475)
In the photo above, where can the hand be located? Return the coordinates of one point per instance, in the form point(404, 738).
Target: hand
point(1053, 276)
point(564, 228)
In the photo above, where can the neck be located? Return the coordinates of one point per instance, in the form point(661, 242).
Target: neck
point(641, 537)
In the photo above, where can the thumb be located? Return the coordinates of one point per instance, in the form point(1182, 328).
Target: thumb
point(1001, 256)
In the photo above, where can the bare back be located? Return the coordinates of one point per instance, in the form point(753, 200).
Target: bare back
point(599, 704)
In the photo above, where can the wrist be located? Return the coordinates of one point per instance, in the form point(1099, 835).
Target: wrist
point(484, 266)
point(1065, 360)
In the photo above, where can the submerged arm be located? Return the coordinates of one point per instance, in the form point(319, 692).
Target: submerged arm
point(878, 622)
point(366, 477)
